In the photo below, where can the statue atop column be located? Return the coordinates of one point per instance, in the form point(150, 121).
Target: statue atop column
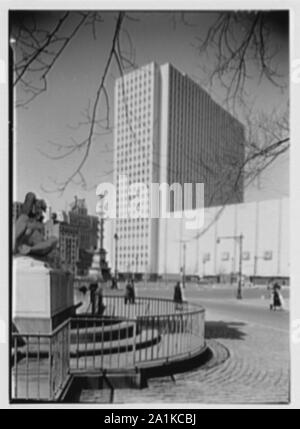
point(28, 230)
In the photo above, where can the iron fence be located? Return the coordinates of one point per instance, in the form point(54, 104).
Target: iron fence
point(123, 336)
point(150, 329)
point(40, 364)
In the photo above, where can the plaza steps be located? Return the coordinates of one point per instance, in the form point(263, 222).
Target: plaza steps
point(145, 339)
point(102, 333)
point(89, 320)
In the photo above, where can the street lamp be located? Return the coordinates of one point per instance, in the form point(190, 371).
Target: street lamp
point(116, 237)
point(238, 238)
point(184, 265)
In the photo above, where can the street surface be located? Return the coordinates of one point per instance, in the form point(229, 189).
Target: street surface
point(251, 346)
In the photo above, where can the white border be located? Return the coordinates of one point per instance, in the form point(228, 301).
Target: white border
point(294, 7)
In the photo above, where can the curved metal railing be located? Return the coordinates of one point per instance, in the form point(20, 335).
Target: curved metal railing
point(150, 331)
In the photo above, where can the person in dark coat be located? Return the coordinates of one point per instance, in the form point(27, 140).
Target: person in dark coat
point(178, 299)
point(127, 292)
point(93, 289)
point(132, 292)
point(101, 302)
point(276, 298)
point(114, 284)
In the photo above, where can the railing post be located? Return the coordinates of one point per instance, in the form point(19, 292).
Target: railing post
point(147, 337)
point(176, 329)
point(126, 343)
point(94, 344)
point(134, 342)
point(77, 344)
point(38, 378)
point(27, 366)
point(69, 346)
point(191, 331)
point(16, 366)
point(119, 346)
point(61, 356)
point(50, 369)
point(152, 338)
point(111, 344)
point(141, 330)
point(168, 333)
point(86, 343)
point(102, 344)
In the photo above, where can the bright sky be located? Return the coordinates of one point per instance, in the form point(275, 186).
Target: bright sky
point(73, 81)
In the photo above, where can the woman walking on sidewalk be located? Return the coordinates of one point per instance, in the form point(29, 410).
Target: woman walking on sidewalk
point(276, 298)
point(178, 297)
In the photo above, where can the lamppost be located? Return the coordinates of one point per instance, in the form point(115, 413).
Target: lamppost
point(182, 261)
point(238, 238)
point(116, 237)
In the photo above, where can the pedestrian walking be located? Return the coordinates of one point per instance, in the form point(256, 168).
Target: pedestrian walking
point(93, 288)
point(127, 293)
point(114, 283)
point(101, 304)
point(178, 296)
point(130, 292)
point(276, 298)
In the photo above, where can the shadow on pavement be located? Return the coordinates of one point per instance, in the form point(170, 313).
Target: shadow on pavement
point(227, 330)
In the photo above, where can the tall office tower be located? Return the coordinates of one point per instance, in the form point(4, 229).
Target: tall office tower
point(169, 130)
point(136, 156)
point(200, 141)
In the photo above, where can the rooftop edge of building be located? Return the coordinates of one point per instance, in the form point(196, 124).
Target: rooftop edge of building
point(125, 75)
point(187, 76)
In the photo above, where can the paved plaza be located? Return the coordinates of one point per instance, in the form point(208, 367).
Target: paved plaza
point(251, 348)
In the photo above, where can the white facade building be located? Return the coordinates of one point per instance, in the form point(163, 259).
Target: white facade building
point(136, 156)
point(264, 225)
point(168, 130)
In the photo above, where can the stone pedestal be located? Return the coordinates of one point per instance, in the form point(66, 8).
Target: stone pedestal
point(42, 297)
point(95, 271)
point(99, 270)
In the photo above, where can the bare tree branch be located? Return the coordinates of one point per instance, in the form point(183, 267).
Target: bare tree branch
point(87, 143)
point(239, 41)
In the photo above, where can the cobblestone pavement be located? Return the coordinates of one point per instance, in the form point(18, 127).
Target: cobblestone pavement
point(251, 365)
